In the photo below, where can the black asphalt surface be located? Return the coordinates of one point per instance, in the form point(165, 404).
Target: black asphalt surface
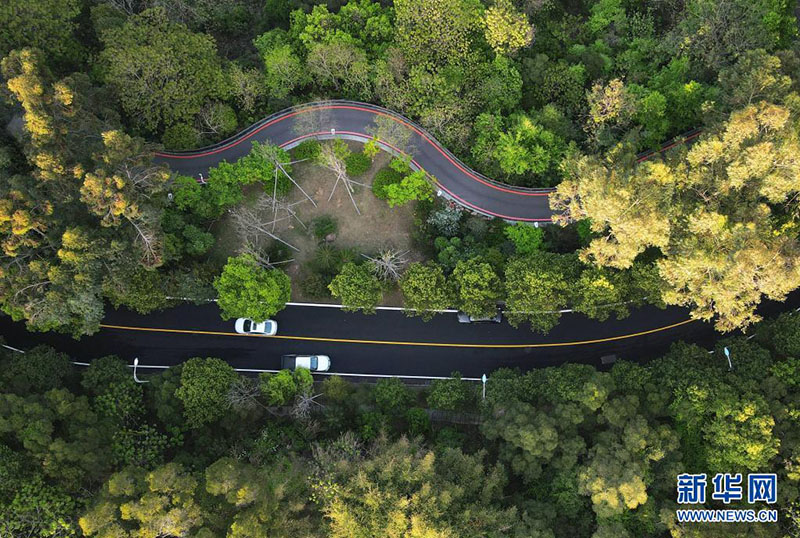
point(165, 348)
point(393, 357)
point(363, 121)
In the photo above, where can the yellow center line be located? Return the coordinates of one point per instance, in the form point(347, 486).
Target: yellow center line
point(397, 343)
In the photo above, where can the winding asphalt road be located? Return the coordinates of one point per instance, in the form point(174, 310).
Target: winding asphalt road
point(388, 342)
point(397, 134)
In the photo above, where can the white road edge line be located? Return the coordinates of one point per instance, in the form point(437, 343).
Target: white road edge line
point(325, 305)
point(343, 374)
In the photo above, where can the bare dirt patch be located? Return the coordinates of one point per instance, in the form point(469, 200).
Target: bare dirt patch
point(377, 227)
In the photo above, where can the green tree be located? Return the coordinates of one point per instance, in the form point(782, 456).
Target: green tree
point(248, 290)
point(537, 287)
point(599, 292)
point(69, 221)
point(340, 67)
point(437, 495)
point(385, 177)
point(425, 289)
point(506, 29)
point(38, 509)
point(284, 71)
point(282, 387)
point(716, 33)
point(47, 25)
point(155, 503)
point(265, 502)
point(740, 435)
point(204, 388)
point(162, 72)
point(478, 288)
point(103, 372)
point(59, 431)
point(527, 239)
point(756, 76)
point(414, 186)
point(36, 371)
point(436, 32)
point(357, 287)
point(519, 148)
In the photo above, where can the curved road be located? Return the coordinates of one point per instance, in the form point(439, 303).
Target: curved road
point(389, 342)
point(395, 133)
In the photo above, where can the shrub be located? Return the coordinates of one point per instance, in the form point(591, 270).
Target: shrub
point(450, 394)
point(324, 225)
point(419, 423)
point(357, 164)
point(386, 176)
point(316, 286)
point(328, 260)
point(371, 149)
point(392, 395)
point(372, 424)
point(196, 241)
point(336, 388)
point(445, 221)
point(307, 150)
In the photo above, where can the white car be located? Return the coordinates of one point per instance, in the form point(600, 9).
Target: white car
point(248, 326)
point(315, 363)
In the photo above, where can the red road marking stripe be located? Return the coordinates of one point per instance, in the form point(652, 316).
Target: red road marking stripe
point(360, 109)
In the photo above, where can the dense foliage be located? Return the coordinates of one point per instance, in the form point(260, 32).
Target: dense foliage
point(532, 93)
point(568, 451)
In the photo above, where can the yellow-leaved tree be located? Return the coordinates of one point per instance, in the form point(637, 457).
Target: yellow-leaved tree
point(723, 214)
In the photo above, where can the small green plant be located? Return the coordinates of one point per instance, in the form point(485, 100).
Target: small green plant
point(371, 149)
point(324, 226)
point(392, 396)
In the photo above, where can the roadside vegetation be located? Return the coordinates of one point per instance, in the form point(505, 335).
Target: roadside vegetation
point(200, 450)
point(532, 93)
